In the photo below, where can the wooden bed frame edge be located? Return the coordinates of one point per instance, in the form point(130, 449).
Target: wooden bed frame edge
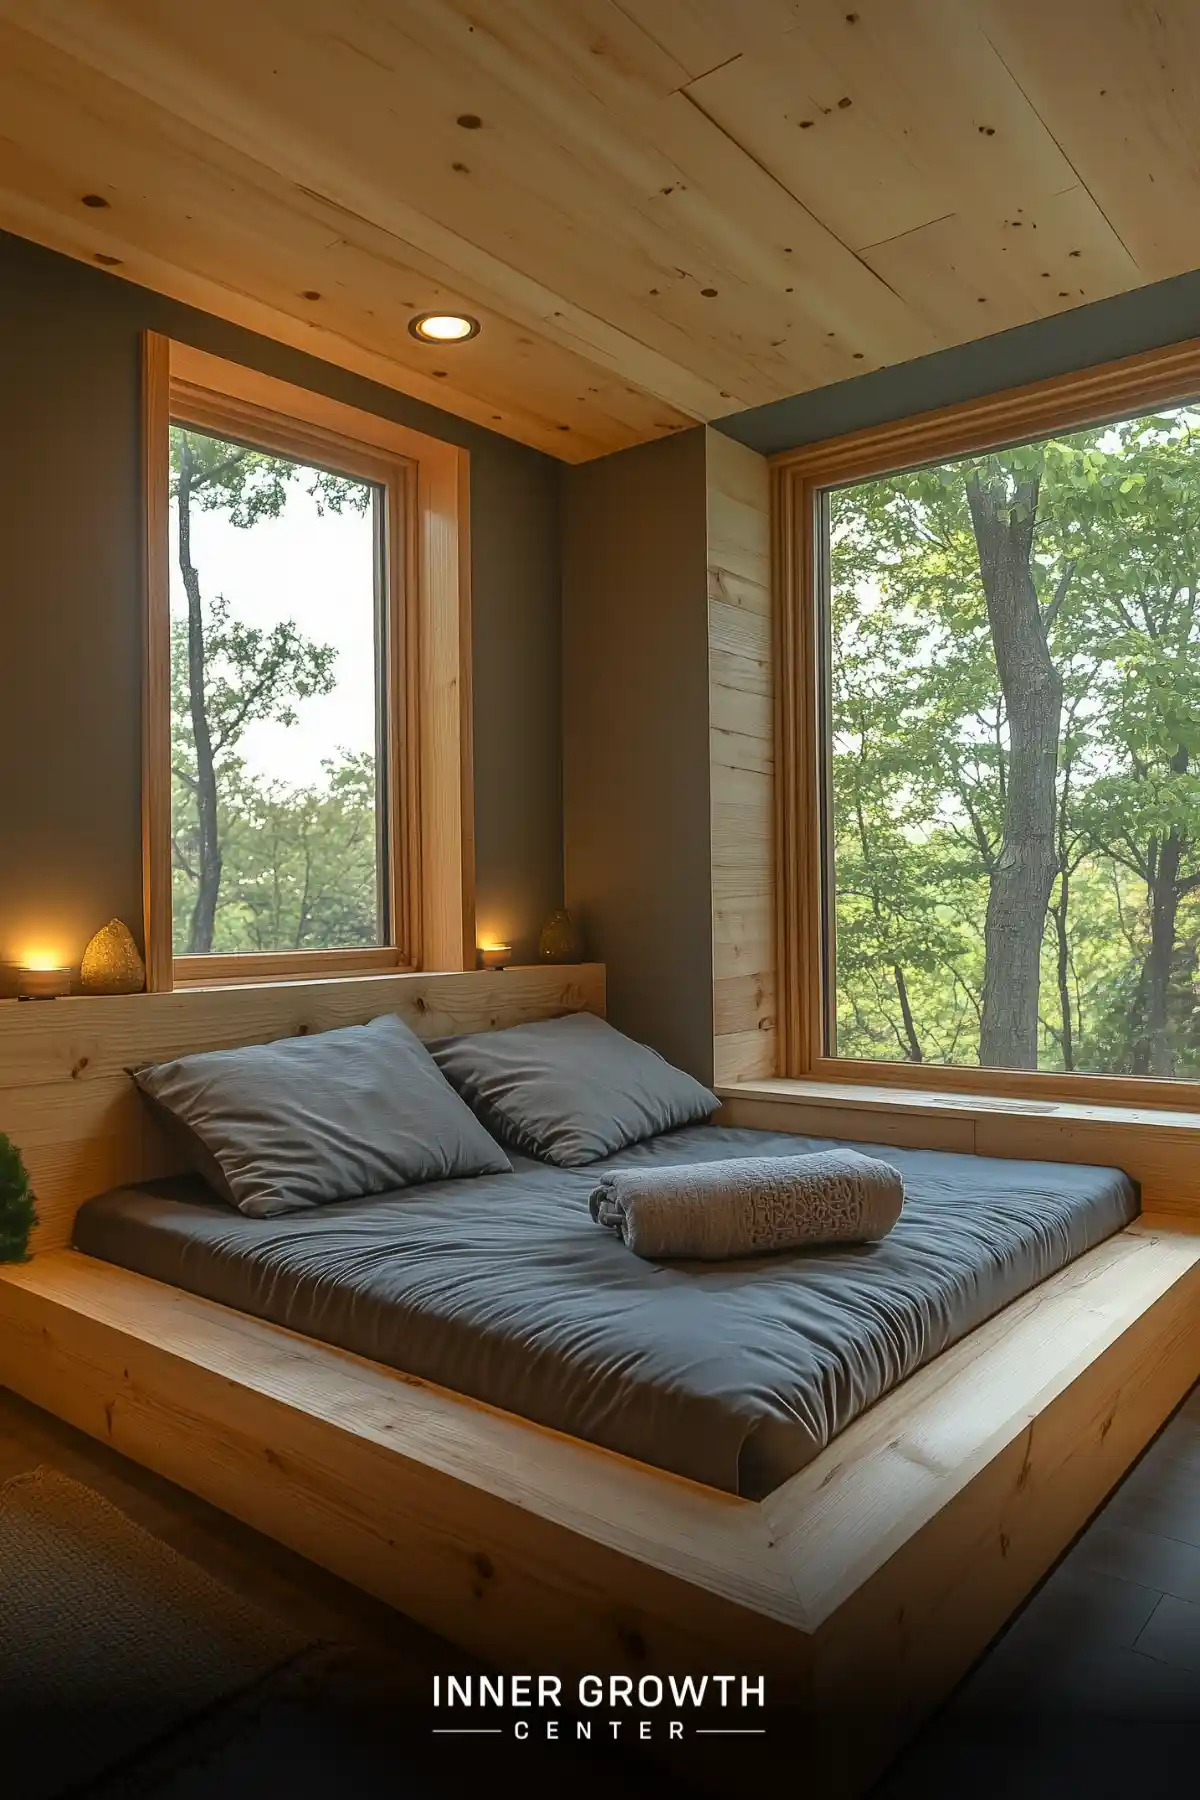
point(881, 1571)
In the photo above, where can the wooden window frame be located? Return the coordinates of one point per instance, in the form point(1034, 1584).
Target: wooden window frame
point(426, 661)
point(1094, 396)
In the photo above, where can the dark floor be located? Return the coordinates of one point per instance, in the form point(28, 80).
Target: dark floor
point(1095, 1686)
point(1096, 1683)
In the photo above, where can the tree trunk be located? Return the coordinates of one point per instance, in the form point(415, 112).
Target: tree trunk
point(915, 1053)
point(208, 861)
point(1153, 1051)
point(1064, 969)
point(1164, 908)
point(1022, 880)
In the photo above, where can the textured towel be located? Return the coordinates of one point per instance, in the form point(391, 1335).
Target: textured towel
point(747, 1206)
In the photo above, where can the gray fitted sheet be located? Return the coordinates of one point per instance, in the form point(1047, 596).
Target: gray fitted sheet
point(502, 1287)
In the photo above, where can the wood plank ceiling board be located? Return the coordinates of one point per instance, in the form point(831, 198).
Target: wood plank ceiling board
point(660, 210)
point(781, 280)
point(1003, 269)
point(1120, 79)
point(701, 34)
point(904, 132)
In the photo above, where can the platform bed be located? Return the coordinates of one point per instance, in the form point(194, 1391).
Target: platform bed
point(861, 1588)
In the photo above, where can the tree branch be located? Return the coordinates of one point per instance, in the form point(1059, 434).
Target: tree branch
point(209, 476)
point(234, 724)
point(181, 861)
point(1060, 593)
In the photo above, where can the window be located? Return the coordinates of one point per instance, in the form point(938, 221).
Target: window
point(279, 703)
point(306, 792)
point(997, 664)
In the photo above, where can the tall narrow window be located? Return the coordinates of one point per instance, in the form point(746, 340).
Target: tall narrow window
point(307, 804)
point(279, 702)
point(1010, 755)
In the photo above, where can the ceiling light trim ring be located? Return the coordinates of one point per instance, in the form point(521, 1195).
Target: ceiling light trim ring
point(418, 327)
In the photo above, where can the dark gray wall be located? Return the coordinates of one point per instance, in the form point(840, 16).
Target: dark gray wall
point(71, 600)
point(1166, 313)
point(635, 737)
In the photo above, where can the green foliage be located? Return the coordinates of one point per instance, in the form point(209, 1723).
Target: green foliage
point(18, 1215)
point(300, 863)
point(920, 755)
point(252, 485)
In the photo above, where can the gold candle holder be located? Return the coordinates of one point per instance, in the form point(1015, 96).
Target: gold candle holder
point(495, 956)
point(43, 984)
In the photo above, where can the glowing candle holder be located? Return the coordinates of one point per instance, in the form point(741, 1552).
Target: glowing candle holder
point(495, 956)
point(43, 984)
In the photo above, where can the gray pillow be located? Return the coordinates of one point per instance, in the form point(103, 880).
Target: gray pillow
point(304, 1121)
point(570, 1090)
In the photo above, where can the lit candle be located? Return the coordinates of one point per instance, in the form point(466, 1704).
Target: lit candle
point(495, 956)
point(43, 984)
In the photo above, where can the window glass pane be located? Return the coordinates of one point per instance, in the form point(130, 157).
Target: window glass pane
point(274, 703)
point(1013, 749)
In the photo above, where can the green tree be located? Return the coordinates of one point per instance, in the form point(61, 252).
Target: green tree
point(302, 864)
point(18, 1214)
point(1015, 729)
point(1141, 509)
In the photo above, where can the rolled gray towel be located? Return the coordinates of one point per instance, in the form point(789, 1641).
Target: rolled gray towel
point(746, 1206)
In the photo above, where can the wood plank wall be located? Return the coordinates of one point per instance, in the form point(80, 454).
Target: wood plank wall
point(67, 1101)
point(741, 760)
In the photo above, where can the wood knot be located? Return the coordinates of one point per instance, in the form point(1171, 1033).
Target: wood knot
point(483, 1565)
point(275, 1460)
point(632, 1642)
point(420, 1004)
point(1107, 1426)
point(78, 1068)
point(1004, 1543)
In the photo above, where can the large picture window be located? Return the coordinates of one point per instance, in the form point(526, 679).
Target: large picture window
point(999, 657)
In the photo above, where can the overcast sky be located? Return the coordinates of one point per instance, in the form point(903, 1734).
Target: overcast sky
point(319, 572)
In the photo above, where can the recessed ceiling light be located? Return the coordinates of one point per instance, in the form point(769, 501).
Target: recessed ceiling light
point(443, 328)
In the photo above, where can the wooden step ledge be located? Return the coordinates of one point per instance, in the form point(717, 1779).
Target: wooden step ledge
point(1157, 1147)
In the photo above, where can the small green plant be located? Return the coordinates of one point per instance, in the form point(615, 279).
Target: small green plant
point(18, 1215)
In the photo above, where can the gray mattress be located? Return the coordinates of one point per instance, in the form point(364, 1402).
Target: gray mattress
point(501, 1287)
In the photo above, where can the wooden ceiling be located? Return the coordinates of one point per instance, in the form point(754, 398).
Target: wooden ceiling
point(661, 210)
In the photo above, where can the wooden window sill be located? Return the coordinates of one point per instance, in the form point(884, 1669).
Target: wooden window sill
point(1158, 1147)
point(930, 1103)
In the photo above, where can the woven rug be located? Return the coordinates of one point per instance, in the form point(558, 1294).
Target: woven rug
point(109, 1640)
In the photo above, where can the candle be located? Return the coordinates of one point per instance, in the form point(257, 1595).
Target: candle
point(494, 956)
point(43, 984)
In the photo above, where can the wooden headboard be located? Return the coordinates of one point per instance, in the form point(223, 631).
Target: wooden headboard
point(67, 1102)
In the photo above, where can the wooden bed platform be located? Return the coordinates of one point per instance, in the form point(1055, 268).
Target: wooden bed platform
point(861, 1589)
